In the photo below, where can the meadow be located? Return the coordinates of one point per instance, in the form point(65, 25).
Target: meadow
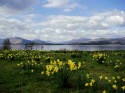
point(26, 71)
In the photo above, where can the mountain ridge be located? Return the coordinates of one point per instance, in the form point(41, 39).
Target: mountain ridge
point(81, 41)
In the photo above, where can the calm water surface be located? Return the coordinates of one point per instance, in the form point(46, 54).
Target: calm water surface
point(72, 47)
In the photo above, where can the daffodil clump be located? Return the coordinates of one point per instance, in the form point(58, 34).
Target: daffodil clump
point(29, 65)
point(58, 65)
point(118, 66)
point(114, 83)
point(47, 59)
point(105, 84)
point(91, 83)
point(61, 72)
point(100, 57)
point(12, 55)
point(76, 54)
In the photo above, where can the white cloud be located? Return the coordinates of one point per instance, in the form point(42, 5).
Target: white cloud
point(62, 28)
point(56, 3)
point(94, 22)
point(116, 20)
point(97, 25)
point(67, 5)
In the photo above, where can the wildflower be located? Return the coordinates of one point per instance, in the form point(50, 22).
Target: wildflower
point(42, 72)
point(91, 84)
point(93, 81)
point(79, 65)
point(114, 86)
point(113, 77)
point(47, 73)
point(58, 60)
point(115, 81)
point(56, 69)
point(72, 65)
point(123, 88)
point(87, 84)
point(60, 63)
point(103, 61)
point(106, 78)
point(32, 70)
point(87, 75)
point(120, 63)
point(49, 67)
point(116, 66)
point(123, 79)
point(100, 77)
point(51, 62)
point(54, 63)
point(104, 91)
point(109, 81)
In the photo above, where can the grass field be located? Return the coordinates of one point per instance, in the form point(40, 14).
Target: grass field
point(62, 71)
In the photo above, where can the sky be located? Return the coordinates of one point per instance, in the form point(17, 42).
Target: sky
point(62, 20)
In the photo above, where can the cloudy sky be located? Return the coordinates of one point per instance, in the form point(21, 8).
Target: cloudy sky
point(62, 20)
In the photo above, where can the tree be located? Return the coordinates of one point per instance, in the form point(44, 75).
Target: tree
point(29, 46)
point(6, 44)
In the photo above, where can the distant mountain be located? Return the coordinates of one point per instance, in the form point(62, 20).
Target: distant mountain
point(121, 40)
point(112, 40)
point(103, 41)
point(19, 41)
point(81, 40)
point(37, 41)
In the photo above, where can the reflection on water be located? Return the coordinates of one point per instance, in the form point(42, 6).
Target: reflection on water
point(72, 47)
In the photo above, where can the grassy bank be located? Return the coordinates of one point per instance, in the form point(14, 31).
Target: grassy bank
point(62, 71)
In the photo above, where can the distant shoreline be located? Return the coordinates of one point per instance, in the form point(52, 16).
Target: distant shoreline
point(71, 44)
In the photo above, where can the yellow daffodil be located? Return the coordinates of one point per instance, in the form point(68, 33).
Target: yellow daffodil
point(87, 84)
point(79, 65)
point(42, 72)
point(54, 63)
point(87, 75)
point(91, 84)
point(93, 81)
point(106, 78)
point(113, 78)
point(32, 70)
point(56, 69)
point(100, 77)
point(47, 73)
point(118, 77)
point(72, 65)
point(114, 86)
point(109, 81)
point(123, 79)
point(104, 91)
point(123, 88)
point(60, 63)
point(115, 81)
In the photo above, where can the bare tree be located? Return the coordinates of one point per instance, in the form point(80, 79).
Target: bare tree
point(29, 46)
point(6, 44)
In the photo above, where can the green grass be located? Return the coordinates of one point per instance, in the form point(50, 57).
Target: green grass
point(14, 79)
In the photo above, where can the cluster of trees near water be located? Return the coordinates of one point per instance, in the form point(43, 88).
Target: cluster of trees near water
point(7, 45)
